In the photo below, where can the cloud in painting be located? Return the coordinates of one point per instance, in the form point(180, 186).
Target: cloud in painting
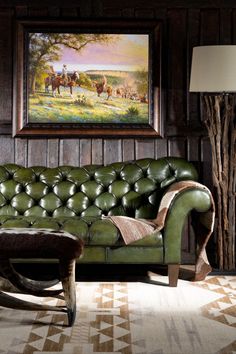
point(128, 50)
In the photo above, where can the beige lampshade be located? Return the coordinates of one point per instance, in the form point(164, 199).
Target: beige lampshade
point(213, 69)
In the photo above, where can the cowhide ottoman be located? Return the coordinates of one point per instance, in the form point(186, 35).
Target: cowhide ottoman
point(39, 243)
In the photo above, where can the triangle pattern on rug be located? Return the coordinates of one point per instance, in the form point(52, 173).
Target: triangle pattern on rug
point(103, 338)
point(118, 345)
point(33, 337)
point(119, 332)
point(119, 319)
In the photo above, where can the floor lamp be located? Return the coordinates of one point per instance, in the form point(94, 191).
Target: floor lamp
point(213, 73)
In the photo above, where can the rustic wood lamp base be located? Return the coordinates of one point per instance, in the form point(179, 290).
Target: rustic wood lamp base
point(221, 125)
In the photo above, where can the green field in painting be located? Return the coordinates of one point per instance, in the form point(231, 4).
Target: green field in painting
point(85, 107)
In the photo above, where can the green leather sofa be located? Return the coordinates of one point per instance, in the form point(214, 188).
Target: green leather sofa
point(75, 198)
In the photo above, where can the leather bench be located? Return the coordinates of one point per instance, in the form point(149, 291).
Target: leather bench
point(44, 244)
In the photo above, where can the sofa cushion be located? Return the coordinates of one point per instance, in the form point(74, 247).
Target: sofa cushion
point(93, 231)
point(132, 188)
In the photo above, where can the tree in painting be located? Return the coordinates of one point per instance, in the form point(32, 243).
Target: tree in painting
point(47, 47)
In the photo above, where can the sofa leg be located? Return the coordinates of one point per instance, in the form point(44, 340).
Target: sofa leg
point(67, 275)
point(173, 274)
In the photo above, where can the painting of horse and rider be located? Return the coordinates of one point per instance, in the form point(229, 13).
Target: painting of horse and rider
point(88, 78)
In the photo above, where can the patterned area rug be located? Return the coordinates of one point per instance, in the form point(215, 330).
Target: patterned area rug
point(131, 318)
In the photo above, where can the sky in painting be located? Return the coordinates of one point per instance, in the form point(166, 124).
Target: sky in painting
point(128, 53)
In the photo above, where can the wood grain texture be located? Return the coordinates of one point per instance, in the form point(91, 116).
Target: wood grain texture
point(210, 22)
point(226, 26)
point(21, 11)
point(176, 95)
point(21, 152)
point(144, 148)
point(193, 149)
point(128, 12)
point(133, 3)
point(144, 13)
point(69, 12)
point(69, 152)
point(128, 149)
point(53, 152)
point(193, 101)
point(6, 149)
point(37, 152)
point(161, 148)
point(234, 26)
point(85, 156)
point(38, 11)
point(177, 147)
point(221, 126)
point(185, 24)
point(112, 151)
point(53, 11)
point(206, 162)
point(97, 151)
point(6, 52)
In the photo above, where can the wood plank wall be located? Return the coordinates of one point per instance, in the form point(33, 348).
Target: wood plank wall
point(185, 24)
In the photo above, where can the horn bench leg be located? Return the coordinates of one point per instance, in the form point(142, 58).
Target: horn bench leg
point(39, 243)
point(67, 276)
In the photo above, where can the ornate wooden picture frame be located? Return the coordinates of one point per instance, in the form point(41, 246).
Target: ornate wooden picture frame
point(87, 78)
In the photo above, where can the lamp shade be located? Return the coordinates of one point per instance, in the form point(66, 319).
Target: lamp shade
point(213, 69)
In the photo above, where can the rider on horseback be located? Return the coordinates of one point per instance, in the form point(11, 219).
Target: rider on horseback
point(64, 74)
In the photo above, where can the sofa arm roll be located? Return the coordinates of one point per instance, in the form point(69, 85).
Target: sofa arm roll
point(187, 200)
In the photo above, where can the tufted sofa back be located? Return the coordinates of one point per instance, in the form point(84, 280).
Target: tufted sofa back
point(122, 188)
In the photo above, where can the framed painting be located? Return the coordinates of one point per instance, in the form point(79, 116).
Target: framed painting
point(87, 78)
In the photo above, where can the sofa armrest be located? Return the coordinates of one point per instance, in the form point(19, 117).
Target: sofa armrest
point(182, 204)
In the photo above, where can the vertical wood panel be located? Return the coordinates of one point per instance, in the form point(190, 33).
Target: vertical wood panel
point(69, 152)
point(177, 147)
point(225, 26)
point(234, 26)
point(128, 12)
point(97, 8)
point(21, 11)
point(176, 109)
point(128, 149)
point(144, 148)
point(161, 148)
point(53, 153)
point(193, 149)
point(6, 150)
point(85, 8)
point(113, 13)
point(6, 65)
point(37, 152)
point(144, 13)
point(69, 12)
point(38, 11)
point(206, 162)
point(193, 155)
point(53, 11)
point(97, 151)
point(193, 102)
point(85, 156)
point(210, 26)
point(21, 151)
point(112, 151)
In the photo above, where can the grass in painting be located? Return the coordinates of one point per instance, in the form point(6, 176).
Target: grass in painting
point(85, 107)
